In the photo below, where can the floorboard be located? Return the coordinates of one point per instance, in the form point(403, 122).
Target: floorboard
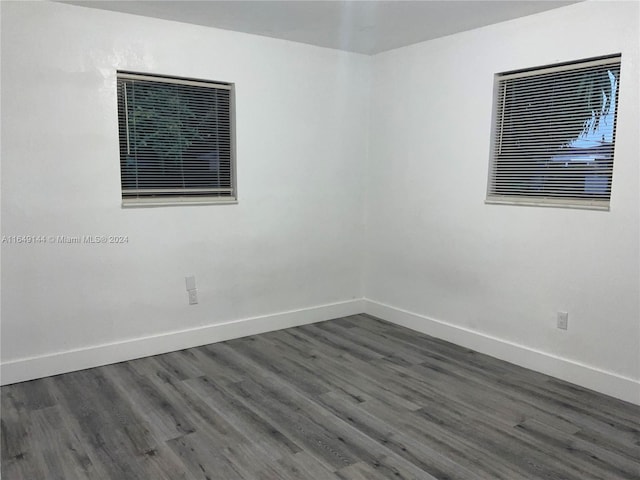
point(354, 398)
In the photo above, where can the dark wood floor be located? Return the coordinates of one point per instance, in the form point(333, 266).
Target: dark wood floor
point(354, 398)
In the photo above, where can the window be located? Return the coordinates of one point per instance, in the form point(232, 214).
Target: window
point(554, 135)
point(176, 140)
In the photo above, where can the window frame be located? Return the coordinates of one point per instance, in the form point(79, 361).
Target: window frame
point(176, 199)
point(498, 114)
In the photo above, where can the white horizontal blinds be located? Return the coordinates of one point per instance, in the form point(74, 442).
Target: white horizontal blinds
point(554, 132)
point(175, 138)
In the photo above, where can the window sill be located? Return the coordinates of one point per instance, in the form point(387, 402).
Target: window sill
point(601, 205)
point(176, 202)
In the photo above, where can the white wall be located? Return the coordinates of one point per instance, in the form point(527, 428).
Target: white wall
point(491, 276)
point(437, 258)
point(292, 243)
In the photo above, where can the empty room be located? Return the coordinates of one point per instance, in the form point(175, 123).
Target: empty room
point(320, 240)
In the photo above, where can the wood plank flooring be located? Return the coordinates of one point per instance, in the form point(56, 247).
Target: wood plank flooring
point(354, 399)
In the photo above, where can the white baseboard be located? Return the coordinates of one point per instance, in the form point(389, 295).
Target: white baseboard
point(587, 376)
point(94, 356)
point(23, 369)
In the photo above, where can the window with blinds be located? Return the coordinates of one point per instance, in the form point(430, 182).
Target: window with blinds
point(554, 135)
point(176, 140)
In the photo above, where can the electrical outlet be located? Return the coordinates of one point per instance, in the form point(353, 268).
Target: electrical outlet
point(563, 320)
point(193, 297)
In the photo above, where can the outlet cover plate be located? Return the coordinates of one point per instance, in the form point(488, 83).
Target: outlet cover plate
point(193, 297)
point(563, 320)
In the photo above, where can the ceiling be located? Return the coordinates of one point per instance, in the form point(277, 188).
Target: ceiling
point(367, 27)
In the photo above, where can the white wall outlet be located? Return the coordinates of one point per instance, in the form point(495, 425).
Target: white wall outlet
point(563, 320)
point(193, 297)
point(191, 282)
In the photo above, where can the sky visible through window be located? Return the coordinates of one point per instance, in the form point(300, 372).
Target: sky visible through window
point(599, 128)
